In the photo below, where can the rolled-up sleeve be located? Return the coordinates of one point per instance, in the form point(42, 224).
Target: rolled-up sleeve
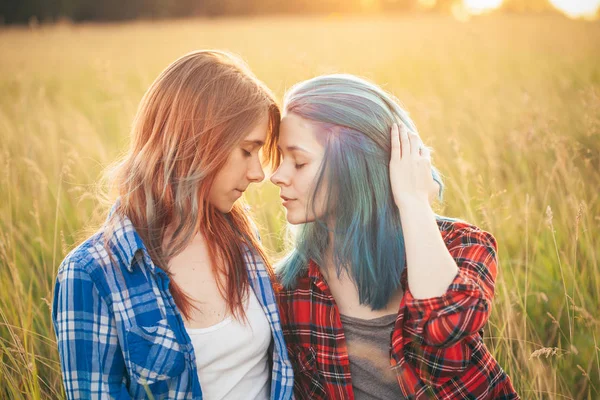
point(466, 305)
point(91, 359)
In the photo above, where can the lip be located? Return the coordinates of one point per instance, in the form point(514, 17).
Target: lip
point(286, 200)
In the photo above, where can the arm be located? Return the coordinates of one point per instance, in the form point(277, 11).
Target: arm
point(91, 359)
point(450, 285)
point(431, 268)
point(465, 306)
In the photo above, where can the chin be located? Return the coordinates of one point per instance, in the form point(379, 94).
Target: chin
point(290, 218)
point(295, 219)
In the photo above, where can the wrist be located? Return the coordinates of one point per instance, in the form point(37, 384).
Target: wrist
point(413, 201)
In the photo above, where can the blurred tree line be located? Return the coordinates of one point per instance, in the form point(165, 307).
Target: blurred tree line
point(23, 11)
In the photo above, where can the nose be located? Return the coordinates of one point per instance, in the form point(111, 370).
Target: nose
point(255, 172)
point(279, 178)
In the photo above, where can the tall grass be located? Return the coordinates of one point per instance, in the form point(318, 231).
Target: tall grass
point(510, 104)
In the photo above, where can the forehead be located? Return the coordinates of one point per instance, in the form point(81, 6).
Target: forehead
point(259, 131)
point(296, 131)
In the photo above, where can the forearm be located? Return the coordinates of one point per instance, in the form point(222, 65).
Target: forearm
point(450, 277)
point(431, 268)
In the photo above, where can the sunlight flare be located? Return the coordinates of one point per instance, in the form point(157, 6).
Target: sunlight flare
point(577, 8)
point(481, 6)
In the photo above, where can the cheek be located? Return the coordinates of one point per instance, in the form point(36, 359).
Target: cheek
point(216, 190)
point(223, 181)
point(235, 168)
point(304, 182)
point(304, 211)
point(320, 206)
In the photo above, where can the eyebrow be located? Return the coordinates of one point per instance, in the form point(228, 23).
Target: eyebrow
point(294, 148)
point(258, 143)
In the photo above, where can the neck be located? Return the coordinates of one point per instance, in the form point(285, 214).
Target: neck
point(328, 267)
point(197, 240)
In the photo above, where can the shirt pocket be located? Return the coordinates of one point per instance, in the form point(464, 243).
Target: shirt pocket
point(154, 353)
point(307, 379)
point(437, 365)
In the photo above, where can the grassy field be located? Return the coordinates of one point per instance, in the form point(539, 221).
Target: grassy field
point(510, 104)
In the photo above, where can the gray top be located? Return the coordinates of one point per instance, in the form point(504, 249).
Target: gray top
point(368, 342)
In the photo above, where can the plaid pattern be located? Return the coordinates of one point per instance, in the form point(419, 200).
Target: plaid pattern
point(436, 346)
point(119, 332)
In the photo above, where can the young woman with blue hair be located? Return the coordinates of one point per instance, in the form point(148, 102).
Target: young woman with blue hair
point(381, 297)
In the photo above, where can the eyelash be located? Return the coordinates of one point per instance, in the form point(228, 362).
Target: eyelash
point(298, 166)
point(246, 153)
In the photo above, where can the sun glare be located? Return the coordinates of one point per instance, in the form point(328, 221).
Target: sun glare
point(577, 8)
point(480, 6)
point(571, 8)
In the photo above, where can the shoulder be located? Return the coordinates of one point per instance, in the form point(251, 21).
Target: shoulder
point(293, 283)
point(90, 261)
point(83, 260)
point(293, 272)
point(79, 294)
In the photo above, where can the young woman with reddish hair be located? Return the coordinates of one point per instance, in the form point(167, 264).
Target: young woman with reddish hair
point(172, 297)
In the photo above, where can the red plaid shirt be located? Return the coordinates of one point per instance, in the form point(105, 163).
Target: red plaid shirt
point(436, 346)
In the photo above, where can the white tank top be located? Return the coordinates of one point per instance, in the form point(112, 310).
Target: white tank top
point(232, 356)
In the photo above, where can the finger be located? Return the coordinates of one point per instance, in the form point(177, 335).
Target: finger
point(425, 152)
point(415, 143)
point(395, 137)
point(404, 141)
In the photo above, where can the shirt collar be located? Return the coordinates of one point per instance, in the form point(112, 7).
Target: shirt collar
point(125, 242)
point(313, 270)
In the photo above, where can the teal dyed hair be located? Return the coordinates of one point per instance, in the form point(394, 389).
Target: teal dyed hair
point(353, 120)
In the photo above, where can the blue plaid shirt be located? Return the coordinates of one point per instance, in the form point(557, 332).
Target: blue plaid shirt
point(119, 332)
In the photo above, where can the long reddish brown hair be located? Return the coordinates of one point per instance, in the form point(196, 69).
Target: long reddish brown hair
point(188, 122)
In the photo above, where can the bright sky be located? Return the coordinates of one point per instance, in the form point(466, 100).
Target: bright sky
point(572, 8)
point(577, 8)
point(477, 6)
